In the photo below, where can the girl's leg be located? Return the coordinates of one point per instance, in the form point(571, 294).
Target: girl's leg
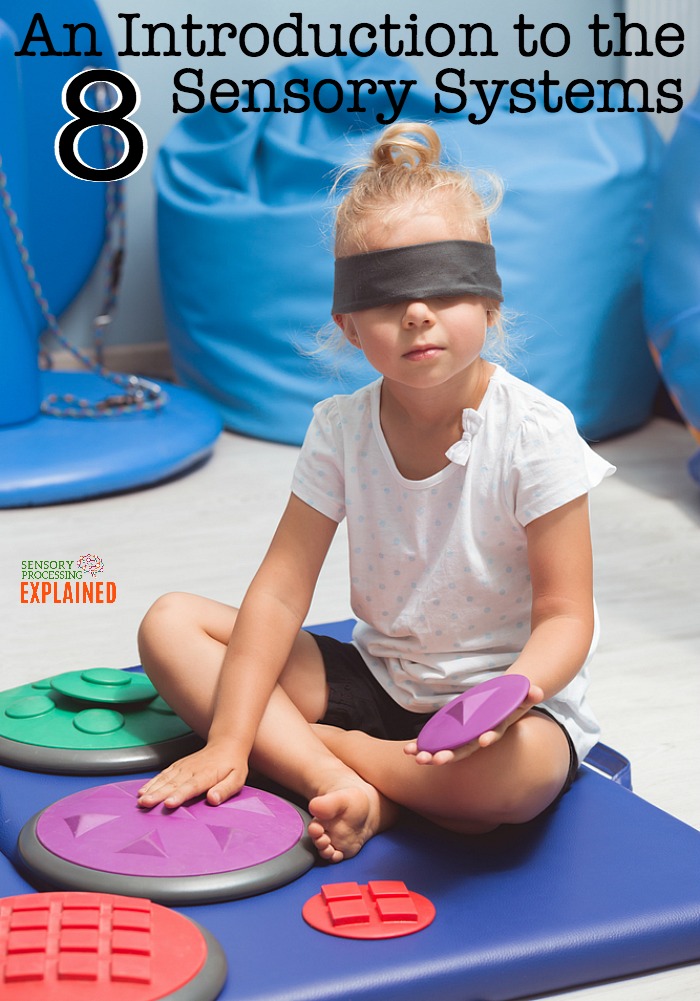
point(182, 642)
point(508, 783)
point(353, 781)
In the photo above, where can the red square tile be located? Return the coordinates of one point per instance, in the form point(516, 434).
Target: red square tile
point(27, 940)
point(348, 912)
point(81, 899)
point(37, 918)
point(397, 909)
point(79, 940)
point(136, 920)
point(30, 903)
point(341, 891)
point(30, 966)
point(387, 888)
point(132, 969)
point(77, 966)
point(80, 917)
point(125, 940)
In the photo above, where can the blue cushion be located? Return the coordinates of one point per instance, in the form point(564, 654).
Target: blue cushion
point(246, 267)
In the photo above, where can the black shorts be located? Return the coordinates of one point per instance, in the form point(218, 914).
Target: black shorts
point(356, 701)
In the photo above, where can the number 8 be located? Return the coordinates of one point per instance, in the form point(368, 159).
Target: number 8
point(116, 117)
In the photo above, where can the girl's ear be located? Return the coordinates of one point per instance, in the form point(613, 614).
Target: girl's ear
point(492, 316)
point(345, 323)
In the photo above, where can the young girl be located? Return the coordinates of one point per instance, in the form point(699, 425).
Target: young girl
point(465, 492)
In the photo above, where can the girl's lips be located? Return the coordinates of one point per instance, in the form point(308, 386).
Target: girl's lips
point(423, 352)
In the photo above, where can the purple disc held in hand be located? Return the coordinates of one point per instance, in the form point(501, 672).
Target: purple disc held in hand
point(100, 839)
point(477, 710)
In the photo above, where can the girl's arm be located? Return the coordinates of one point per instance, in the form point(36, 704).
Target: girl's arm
point(561, 571)
point(267, 625)
point(561, 621)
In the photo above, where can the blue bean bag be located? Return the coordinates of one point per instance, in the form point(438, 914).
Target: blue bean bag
point(246, 265)
point(672, 273)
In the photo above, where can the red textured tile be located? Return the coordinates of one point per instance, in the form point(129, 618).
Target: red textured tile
point(161, 950)
point(387, 910)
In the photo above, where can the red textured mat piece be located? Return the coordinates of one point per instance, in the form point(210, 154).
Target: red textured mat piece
point(381, 909)
point(70, 946)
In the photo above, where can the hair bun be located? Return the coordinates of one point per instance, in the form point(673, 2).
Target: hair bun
point(407, 144)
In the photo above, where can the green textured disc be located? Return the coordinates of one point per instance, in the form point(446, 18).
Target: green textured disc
point(127, 728)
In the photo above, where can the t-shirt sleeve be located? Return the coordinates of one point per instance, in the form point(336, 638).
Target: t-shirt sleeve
point(551, 463)
point(318, 477)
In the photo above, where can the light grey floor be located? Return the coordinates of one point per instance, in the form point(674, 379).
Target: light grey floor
point(207, 531)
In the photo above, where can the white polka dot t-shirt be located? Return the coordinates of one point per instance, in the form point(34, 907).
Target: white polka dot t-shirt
point(439, 573)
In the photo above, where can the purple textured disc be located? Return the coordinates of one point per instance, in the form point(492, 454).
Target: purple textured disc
point(101, 839)
point(104, 828)
point(472, 713)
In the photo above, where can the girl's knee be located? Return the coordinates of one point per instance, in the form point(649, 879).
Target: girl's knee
point(522, 804)
point(522, 809)
point(172, 602)
point(168, 608)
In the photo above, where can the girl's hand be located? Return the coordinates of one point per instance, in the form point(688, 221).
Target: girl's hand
point(218, 771)
point(486, 739)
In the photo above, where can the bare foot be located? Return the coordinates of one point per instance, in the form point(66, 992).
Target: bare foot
point(347, 817)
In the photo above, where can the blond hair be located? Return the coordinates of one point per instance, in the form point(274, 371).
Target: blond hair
point(404, 174)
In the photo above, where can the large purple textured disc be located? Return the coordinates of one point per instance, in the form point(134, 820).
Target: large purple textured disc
point(100, 839)
point(472, 713)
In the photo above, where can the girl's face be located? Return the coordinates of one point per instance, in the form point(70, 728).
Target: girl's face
point(420, 343)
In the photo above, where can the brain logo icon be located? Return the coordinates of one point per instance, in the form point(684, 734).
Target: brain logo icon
point(91, 564)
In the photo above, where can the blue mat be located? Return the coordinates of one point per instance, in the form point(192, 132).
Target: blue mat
point(603, 885)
